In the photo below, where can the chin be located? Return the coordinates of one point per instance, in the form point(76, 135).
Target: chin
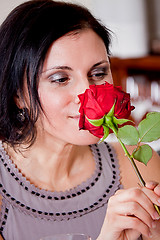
point(86, 138)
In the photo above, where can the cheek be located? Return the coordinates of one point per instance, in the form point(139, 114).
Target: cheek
point(110, 77)
point(52, 104)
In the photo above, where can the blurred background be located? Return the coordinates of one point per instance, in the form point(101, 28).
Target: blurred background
point(135, 23)
point(135, 49)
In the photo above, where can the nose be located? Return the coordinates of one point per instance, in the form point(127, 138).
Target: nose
point(81, 87)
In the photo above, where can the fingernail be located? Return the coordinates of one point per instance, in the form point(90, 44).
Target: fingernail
point(156, 215)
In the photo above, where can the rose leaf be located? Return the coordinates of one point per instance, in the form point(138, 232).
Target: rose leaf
point(149, 128)
point(128, 135)
point(143, 154)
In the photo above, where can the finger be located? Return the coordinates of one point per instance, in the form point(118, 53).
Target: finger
point(119, 206)
point(133, 209)
point(138, 225)
point(143, 196)
point(157, 190)
point(127, 222)
point(155, 198)
point(151, 184)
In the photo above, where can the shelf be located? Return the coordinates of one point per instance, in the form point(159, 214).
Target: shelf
point(122, 68)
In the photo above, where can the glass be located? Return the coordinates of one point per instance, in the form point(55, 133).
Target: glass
point(68, 236)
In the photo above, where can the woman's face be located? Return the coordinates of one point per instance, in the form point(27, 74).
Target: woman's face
point(73, 62)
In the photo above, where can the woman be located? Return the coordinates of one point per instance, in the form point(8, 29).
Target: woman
point(55, 178)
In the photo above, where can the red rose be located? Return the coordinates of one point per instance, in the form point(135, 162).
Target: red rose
point(97, 101)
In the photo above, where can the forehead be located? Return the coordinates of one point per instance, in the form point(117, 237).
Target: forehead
point(80, 44)
point(77, 35)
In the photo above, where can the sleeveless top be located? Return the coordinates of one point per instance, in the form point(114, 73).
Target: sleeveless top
point(30, 213)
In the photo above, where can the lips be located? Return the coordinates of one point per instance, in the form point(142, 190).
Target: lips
point(75, 117)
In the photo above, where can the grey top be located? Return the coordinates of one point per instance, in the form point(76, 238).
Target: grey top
point(29, 213)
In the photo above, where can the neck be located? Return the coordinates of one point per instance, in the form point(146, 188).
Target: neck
point(54, 166)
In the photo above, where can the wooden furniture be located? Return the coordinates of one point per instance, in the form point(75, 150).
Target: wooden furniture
point(141, 78)
point(122, 68)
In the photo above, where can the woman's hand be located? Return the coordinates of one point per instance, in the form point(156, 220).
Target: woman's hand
point(156, 231)
point(131, 213)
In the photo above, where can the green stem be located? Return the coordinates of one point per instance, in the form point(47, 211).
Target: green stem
point(131, 159)
point(133, 163)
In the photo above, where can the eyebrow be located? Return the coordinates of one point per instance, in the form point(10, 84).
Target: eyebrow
point(99, 63)
point(58, 67)
point(70, 69)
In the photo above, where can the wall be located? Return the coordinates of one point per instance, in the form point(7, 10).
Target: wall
point(134, 22)
point(6, 6)
point(127, 19)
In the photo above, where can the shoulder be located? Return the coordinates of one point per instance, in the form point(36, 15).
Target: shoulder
point(127, 173)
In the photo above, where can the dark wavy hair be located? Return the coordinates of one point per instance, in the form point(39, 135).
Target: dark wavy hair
point(25, 37)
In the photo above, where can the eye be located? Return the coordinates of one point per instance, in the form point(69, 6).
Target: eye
point(59, 78)
point(98, 74)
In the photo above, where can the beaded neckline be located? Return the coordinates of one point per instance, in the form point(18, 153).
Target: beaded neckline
point(53, 197)
point(83, 187)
